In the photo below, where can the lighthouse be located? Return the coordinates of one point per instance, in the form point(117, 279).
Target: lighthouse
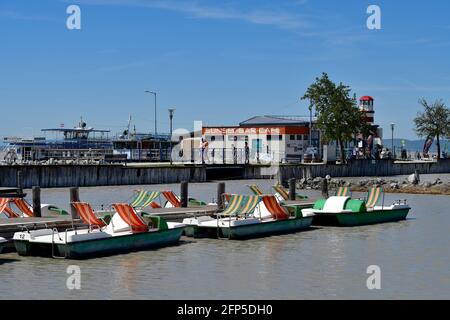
point(366, 105)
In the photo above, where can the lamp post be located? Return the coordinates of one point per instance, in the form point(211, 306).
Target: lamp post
point(156, 126)
point(310, 124)
point(171, 112)
point(392, 139)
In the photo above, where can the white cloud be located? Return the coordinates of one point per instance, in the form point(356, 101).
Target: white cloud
point(196, 9)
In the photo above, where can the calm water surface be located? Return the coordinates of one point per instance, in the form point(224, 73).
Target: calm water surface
point(329, 263)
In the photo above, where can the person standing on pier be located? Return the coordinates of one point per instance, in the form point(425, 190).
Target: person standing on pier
point(247, 153)
point(204, 150)
point(234, 150)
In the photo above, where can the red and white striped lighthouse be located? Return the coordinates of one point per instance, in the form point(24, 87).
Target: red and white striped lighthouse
point(366, 105)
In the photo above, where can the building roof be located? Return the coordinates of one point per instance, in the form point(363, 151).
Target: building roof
point(366, 98)
point(277, 121)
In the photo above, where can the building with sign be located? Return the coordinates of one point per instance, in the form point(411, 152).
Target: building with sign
point(261, 139)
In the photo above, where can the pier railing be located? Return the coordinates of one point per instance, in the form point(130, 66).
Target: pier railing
point(233, 156)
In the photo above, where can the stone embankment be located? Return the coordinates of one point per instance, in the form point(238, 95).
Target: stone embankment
point(411, 184)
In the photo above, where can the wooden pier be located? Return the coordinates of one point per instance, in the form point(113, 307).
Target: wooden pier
point(11, 193)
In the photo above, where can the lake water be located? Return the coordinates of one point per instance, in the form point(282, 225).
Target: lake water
point(324, 263)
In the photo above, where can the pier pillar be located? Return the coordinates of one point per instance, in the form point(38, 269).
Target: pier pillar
point(36, 191)
point(220, 193)
point(292, 188)
point(184, 194)
point(19, 181)
point(74, 197)
point(325, 188)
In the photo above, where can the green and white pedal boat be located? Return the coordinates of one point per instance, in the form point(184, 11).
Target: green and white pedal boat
point(344, 211)
point(126, 232)
point(249, 217)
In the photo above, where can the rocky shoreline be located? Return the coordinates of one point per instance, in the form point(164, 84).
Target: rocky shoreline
point(412, 184)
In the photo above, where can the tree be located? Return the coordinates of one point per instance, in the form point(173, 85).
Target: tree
point(434, 121)
point(338, 116)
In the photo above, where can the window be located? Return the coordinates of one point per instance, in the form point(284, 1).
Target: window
point(213, 138)
point(273, 137)
point(299, 137)
point(292, 137)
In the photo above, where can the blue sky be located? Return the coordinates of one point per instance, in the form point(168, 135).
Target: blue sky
point(216, 61)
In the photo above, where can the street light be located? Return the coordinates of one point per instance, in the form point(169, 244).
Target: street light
point(310, 124)
point(156, 127)
point(171, 112)
point(392, 139)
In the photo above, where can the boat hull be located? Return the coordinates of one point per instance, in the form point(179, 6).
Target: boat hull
point(100, 247)
point(249, 231)
point(360, 218)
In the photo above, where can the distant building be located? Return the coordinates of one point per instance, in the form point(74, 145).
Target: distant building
point(269, 138)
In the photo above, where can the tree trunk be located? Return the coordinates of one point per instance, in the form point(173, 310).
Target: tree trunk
point(438, 144)
point(341, 146)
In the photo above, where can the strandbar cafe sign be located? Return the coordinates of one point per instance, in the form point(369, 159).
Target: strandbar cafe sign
point(254, 130)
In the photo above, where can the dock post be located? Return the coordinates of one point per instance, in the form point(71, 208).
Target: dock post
point(220, 193)
point(184, 194)
point(36, 191)
point(19, 181)
point(74, 197)
point(325, 188)
point(292, 188)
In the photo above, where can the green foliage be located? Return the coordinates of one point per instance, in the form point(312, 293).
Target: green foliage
point(433, 121)
point(338, 116)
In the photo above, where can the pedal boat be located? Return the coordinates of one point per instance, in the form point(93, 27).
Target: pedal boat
point(248, 217)
point(127, 231)
point(344, 211)
point(3, 243)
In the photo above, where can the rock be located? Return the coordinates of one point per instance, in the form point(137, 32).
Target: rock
point(394, 185)
point(427, 184)
point(328, 177)
point(317, 180)
point(413, 179)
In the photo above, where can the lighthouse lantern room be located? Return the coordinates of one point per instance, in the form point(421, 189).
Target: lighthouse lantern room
point(366, 105)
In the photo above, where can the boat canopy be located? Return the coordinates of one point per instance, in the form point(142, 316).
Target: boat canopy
point(241, 205)
point(256, 189)
point(144, 199)
point(87, 214)
point(272, 204)
point(280, 189)
point(24, 206)
point(285, 195)
point(373, 196)
point(130, 217)
point(4, 208)
point(343, 191)
point(172, 198)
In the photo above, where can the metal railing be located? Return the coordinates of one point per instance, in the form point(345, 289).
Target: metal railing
point(231, 156)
